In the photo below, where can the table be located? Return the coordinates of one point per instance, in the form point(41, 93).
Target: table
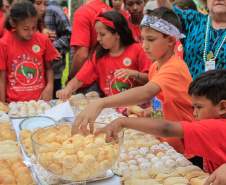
point(115, 180)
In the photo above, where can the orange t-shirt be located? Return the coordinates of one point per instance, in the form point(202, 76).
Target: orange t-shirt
point(174, 79)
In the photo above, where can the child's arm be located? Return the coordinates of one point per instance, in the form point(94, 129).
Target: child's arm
point(2, 85)
point(129, 73)
point(72, 86)
point(132, 96)
point(218, 176)
point(47, 93)
point(157, 127)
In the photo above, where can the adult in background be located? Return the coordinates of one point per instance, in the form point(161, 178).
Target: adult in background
point(204, 45)
point(84, 35)
point(57, 21)
point(117, 6)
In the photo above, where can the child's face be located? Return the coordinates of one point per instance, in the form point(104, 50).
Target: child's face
point(25, 29)
point(154, 44)
point(40, 6)
point(135, 8)
point(204, 108)
point(106, 39)
point(117, 4)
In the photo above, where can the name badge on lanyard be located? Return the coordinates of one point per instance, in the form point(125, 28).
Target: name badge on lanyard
point(210, 65)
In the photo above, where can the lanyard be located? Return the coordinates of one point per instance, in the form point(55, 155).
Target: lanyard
point(213, 45)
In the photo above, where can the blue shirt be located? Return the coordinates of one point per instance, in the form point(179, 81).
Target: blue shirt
point(194, 28)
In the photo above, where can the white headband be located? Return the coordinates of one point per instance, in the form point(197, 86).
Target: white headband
point(162, 26)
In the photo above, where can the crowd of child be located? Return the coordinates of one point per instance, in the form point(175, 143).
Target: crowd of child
point(133, 57)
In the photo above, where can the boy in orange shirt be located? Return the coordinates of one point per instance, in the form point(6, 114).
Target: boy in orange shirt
point(169, 76)
point(204, 137)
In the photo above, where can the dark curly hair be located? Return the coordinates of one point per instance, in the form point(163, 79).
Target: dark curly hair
point(211, 84)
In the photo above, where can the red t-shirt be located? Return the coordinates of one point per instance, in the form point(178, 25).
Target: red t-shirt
point(135, 31)
point(24, 65)
point(102, 71)
point(124, 13)
point(178, 49)
point(206, 138)
point(83, 30)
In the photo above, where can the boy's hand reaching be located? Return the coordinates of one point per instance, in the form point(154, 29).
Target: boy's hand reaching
point(126, 73)
point(111, 130)
point(47, 93)
point(64, 94)
point(218, 177)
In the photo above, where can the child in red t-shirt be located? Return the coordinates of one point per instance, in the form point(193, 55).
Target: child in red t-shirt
point(116, 61)
point(116, 5)
point(25, 69)
point(204, 137)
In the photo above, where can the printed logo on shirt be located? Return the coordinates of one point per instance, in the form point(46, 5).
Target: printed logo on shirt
point(26, 71)
point(36, 48)
point(180, 47)
point(115, 85)
point(127, 62)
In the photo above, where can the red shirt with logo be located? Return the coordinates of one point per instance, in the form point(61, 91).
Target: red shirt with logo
point(83, 30)
point(206, 138)
point(104, 68)
point(24, 65)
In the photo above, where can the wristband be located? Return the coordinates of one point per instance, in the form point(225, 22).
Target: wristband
point(137, 75)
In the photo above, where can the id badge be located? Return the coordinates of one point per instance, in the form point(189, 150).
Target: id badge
point(210, 65)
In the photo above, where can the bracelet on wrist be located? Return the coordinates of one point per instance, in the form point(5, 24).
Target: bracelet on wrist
point(137, 75)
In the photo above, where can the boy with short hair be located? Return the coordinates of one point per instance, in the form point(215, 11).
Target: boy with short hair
point(204, 137)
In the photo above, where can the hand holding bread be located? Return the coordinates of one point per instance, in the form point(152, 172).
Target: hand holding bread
point(139, 111)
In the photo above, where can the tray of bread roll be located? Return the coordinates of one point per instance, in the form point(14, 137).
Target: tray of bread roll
point(191, 175)
point(15, 171)
point(28, 109)
point(7, 131)
point(144, 152)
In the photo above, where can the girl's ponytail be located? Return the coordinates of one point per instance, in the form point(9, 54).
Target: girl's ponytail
point(19, 12)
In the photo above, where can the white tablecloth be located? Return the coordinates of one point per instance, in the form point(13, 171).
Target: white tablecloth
point(115, 180)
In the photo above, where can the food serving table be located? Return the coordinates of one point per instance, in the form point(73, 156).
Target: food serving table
point(115, 180)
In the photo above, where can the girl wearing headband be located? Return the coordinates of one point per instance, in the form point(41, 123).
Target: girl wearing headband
point(116, 61)
point(169, 77)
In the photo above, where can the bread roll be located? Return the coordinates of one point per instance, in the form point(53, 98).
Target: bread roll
point(154, 172)
point(141, 182)
point(142, 174)
point(136, 109)
point(44, 31)
point(197, 181)
point(162, 176)
point(176, 180)
point(194, 174)
point(133, 115)
point(184, 170)
point(25, 179)
point(92, 94)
